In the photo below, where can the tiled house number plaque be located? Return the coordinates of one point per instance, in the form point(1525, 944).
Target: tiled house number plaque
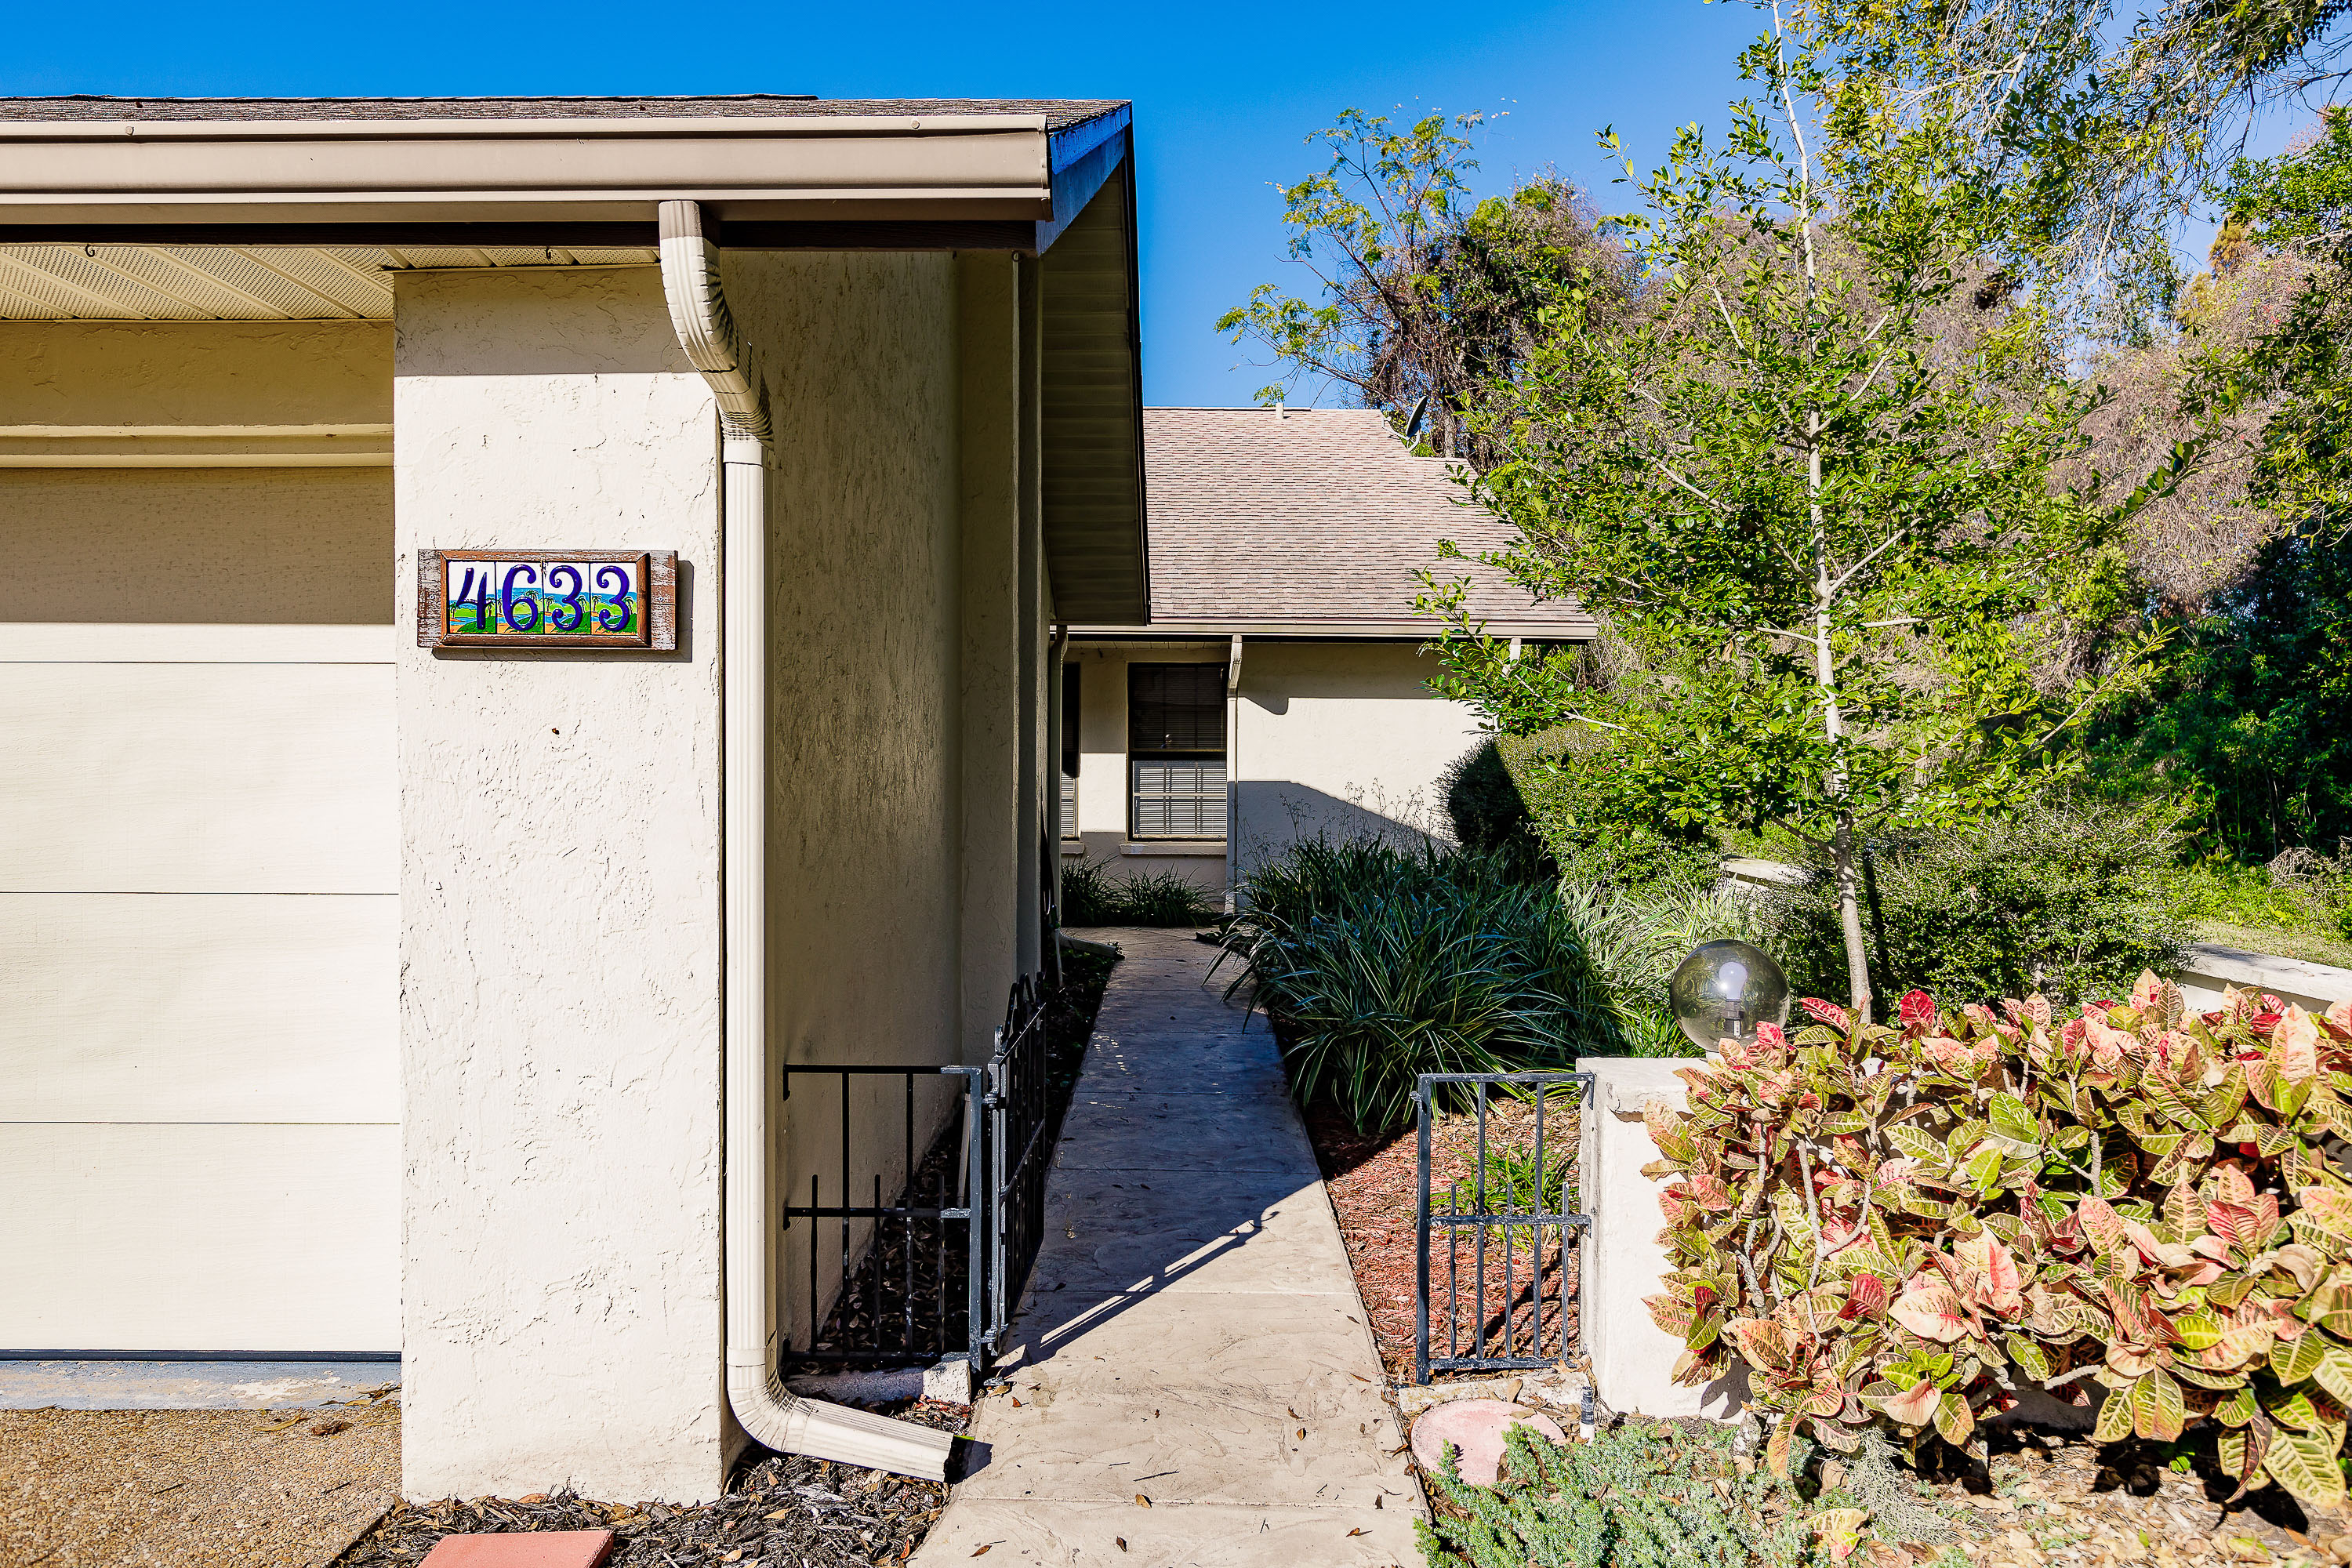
point(548, 598)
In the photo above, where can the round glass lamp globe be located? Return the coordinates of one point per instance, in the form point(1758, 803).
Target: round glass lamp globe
point(1723, 989)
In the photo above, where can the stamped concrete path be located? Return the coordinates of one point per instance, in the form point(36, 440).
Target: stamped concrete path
point(1190, 1379)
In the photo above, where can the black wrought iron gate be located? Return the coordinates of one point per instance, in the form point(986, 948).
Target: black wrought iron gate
point(938, 1270)
point(1494, 1252)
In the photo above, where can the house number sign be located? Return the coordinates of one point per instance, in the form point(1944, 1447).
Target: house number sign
point(548, 598)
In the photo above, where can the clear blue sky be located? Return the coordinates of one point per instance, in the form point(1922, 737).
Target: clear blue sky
point(1223, 93)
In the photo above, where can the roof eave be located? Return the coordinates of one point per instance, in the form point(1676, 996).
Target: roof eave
point(80, 177)
point(1194, 630)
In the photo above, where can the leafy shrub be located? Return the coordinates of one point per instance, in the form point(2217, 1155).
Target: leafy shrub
point(2071, 898)
point(1093, 896)
point(1489, 814)
point(1587, 810)
point(1905, 1223)
point(2248, 719)
point(1085, 893)
point(1162, 899)
point(1638, 1496)
point(1380, 962)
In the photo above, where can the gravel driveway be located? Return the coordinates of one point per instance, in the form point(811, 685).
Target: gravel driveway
point(193, 1488)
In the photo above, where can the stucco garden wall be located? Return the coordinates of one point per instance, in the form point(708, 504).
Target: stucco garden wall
point(1343, 739)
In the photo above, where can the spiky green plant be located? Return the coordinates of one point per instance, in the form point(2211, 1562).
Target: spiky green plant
point(1092, 895)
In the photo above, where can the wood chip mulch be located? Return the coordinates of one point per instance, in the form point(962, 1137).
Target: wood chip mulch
point(2063, 1500)
point(783, 1511)
point(1374, 1187)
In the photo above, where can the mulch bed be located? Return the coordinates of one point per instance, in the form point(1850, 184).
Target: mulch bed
point(1374, 1187)
point(783, 1511)
point(2066, 1500)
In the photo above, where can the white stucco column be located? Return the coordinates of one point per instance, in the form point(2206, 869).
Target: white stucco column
point(560, 912)
point(1620, 1260)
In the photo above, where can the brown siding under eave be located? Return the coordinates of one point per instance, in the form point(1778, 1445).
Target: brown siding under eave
point(1092, 417)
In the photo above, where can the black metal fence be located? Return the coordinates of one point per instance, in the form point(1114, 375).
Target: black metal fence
point(936, 1271)
point(1494, 1260)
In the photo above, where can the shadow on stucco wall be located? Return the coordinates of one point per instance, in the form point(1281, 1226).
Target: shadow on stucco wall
point(1272, 815)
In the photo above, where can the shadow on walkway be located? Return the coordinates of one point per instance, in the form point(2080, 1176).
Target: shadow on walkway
point(1189, 1379)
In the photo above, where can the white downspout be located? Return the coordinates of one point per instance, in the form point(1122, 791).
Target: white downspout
point(781, 1420)
point(1232, 775)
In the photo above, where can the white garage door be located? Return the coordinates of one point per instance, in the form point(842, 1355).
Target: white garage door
point(199, 1139)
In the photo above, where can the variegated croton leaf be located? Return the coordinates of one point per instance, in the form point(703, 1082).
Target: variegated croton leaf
point(2136, 1208)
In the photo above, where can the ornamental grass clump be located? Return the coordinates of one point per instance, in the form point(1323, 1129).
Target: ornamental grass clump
point(2140, 1208)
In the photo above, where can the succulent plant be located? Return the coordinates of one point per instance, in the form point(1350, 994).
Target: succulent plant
point(1909, 1223)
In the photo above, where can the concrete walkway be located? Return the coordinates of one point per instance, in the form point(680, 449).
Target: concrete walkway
point(1191, 1334)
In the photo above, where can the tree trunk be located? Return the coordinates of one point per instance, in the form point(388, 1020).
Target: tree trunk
point(1857, 955)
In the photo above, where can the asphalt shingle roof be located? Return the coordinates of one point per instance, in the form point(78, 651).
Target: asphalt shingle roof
point(1316, 519)
point(1060, 113)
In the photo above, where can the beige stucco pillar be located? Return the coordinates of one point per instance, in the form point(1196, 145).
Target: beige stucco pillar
point(1621, 1259)
point(560, 1029)
point(989, 299)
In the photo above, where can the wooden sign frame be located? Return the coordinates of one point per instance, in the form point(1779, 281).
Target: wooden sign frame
point(656, 622)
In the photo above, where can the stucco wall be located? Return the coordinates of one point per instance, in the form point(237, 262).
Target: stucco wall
point(859, 352)
point(562, 1016)
point(991, 417)
point(560, 903)
point(1341, 739)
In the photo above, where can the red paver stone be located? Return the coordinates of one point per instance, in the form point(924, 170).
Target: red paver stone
point(522, 1549)
point(1475, 1426)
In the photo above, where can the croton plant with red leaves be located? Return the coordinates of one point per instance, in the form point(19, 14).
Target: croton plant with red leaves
point(2140, 1206)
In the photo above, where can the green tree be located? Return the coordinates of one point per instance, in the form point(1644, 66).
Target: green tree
point(2250, 718)
point(1424, 295)
point(2248, 721)
point(2104, 133)
point(1823, 520)
point(2301, 205)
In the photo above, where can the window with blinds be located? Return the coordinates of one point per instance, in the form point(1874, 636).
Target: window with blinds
point(1176, 751)
point(1179, 800)
point(1070, 693)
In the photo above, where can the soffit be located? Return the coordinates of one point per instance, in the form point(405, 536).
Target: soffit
point(108, 282)
point(1092, 409)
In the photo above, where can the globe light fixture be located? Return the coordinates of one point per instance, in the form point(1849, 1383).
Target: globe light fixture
point(1724, 990)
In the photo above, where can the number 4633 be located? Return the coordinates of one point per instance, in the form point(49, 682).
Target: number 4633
point(583, 600)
